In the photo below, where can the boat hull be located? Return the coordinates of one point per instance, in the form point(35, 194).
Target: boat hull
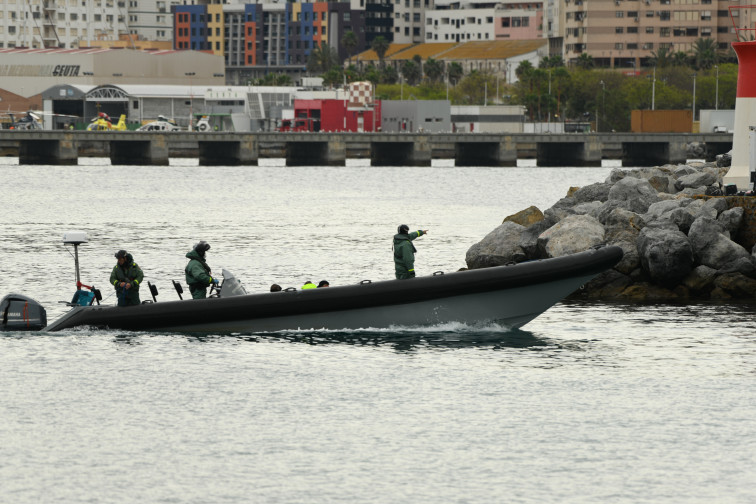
point(508, 295)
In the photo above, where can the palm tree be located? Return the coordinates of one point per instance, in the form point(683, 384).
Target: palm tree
point(680, 58)
point(705, 53)
point(411, 72)
point(322, 58)
point(585, 61)
point(660, 58)
point(454, 71)
point(433, 70)
point(349, 41)
point(380, 45)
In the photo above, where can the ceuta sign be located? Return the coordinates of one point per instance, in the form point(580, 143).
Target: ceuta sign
point(40, 70)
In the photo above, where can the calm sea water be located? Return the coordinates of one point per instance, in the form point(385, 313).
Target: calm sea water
point(589, 403)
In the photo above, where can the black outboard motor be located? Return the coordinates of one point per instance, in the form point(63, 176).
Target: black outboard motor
point(21, 313)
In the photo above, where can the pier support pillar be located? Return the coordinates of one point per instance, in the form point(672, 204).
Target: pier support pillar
point(49, 152)
point(315, 153)
point(591, 154)
point(234, 153)
point(140, 152)
point(678, 152)
point(502, 153)
point(336, 152)
point(421, 152)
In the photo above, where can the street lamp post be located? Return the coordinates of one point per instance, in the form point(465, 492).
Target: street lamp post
point(694, 96)
point(191, 100)
point(603, 100)
point(653, 91)
point(716, 102)
point(549, 106)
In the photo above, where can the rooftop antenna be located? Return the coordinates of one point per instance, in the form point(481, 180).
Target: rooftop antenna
point(75, 238)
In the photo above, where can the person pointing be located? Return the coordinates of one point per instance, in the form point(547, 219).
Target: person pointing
point(404, 251)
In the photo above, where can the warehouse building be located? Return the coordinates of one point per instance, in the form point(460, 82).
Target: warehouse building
point(28, 72)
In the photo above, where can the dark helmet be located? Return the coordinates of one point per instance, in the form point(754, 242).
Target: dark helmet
point(403, 229)
point(121, 254)
point(201, 248)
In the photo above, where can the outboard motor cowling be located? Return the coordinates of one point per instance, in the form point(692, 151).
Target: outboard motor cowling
point(21, 313)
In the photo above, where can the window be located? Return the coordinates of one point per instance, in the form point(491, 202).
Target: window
point(619, 46)
point(649, 29)
point(619, 14)
point(618, 30)
point(136, 104)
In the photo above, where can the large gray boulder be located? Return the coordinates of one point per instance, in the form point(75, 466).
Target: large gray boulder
point(658, 209)
point(574, 233)
point(630, 259)
point(633, 194)
point(665, 254)
point(710, 246)
point(731, 219)
point(529, 238)
point(561, 209)
point(623, 225)
point(696, 179)
point(594, 192)
point(498, 247)
point(700, 281)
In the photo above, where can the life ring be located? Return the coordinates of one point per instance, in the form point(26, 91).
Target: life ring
point(203, 127)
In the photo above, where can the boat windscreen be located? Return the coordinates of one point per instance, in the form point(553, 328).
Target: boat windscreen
point(231, 286)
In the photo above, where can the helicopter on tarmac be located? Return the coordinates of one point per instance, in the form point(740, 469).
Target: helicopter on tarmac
point(29, 120)
point(102, 122)
point(162, 123)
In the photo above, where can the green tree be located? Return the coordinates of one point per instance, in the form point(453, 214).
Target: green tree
point(473, 88)
point(585, 61)
point(349, 42)
point(680, 59)
point(551, 62)
point(333, 77)
point(660, 58)
point(322, 58)
point(389, 75)
point(434, 70)
point(380, 45)
point(411, 72)
point(454, 72)
point(705, 53)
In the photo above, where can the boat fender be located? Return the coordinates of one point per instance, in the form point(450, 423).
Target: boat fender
point(435, 273)
point(365, 282)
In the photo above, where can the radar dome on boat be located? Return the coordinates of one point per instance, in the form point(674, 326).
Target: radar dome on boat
point(75, 237)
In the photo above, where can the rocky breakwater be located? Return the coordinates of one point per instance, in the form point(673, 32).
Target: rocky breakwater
point(682, 240)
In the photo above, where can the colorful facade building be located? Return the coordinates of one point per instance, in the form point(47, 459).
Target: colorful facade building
point(266, 38)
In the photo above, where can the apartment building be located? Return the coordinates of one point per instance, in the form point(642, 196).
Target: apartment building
point(409, 20)
point(259, 38)
point(77, 23)
point(476, 20)
point(626, 33)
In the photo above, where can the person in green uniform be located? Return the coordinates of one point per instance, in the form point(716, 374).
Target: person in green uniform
point(126, 277)
point(404, 251)
point(198, 272)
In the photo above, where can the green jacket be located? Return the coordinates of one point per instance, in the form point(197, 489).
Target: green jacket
point(130, 272)
point(197, 271)
point(404, 254)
